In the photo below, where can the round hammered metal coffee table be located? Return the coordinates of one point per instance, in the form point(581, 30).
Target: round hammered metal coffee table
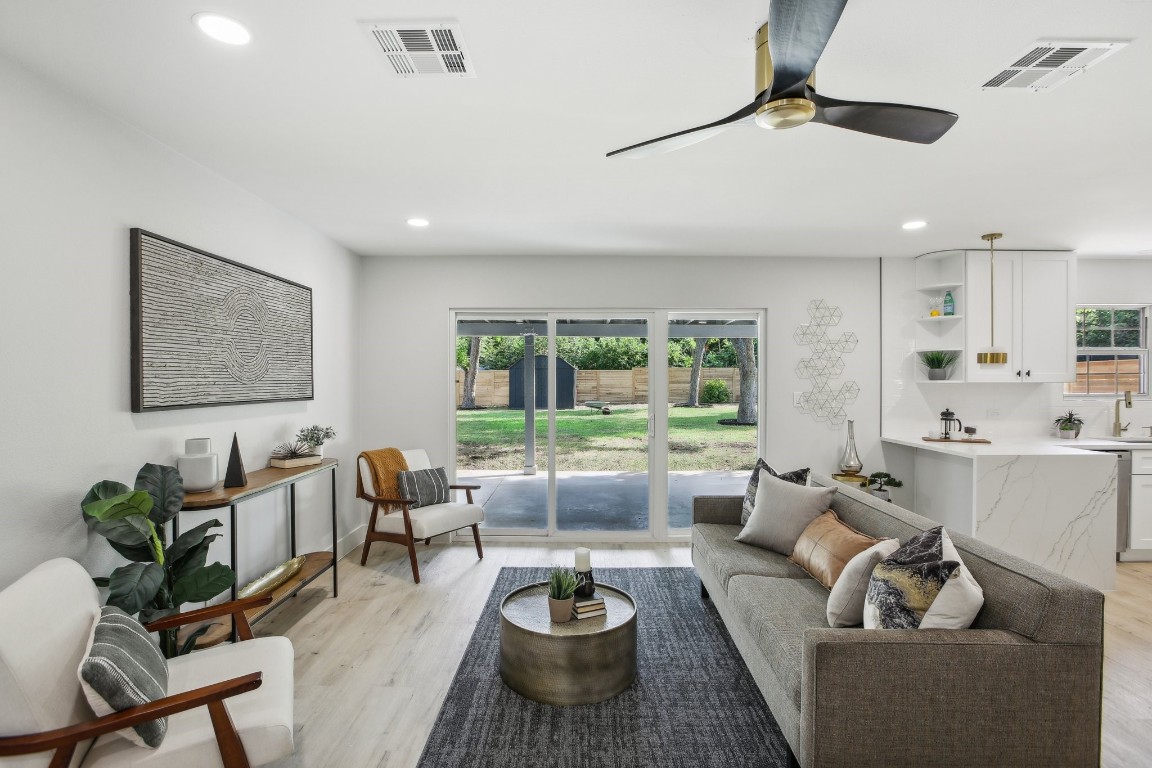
point(581, 661)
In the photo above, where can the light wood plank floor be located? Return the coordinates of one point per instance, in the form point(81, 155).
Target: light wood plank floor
point(374, 665)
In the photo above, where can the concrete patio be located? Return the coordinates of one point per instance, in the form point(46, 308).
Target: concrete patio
point(592, 501)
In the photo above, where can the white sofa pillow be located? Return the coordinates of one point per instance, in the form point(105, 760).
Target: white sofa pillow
point(960, 599)
point(781, 513)
point(846, 600)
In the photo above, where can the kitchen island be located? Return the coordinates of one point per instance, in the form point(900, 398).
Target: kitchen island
point(1039, 499)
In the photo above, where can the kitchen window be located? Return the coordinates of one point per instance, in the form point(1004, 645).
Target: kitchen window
point(1111, 351)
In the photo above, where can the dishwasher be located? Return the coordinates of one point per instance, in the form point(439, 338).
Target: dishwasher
point(1123, 495)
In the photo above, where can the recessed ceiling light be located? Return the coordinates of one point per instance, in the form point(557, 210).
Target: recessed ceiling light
point(417, 222)
point(222, 28)
point(915, 224)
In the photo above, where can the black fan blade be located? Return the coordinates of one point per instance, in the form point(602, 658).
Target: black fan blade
point(680, 139)
point(922, 125)
point(798, 30)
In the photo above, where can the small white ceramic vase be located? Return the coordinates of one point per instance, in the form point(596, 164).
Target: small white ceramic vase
point(198, 467)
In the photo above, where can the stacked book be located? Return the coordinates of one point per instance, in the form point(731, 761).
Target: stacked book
point(589, 607)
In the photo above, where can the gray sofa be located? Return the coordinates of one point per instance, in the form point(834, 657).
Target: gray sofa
point(1020, 688)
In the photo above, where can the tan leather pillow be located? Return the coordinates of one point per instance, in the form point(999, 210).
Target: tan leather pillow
point(826, 546)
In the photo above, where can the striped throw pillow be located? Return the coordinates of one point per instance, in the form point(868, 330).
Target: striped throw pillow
point(123, 668)
point(425, 486)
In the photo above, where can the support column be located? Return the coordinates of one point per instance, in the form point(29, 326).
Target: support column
point(529, 404)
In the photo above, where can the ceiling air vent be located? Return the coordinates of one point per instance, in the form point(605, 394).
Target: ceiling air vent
point(1048, 63)
point(422, 48)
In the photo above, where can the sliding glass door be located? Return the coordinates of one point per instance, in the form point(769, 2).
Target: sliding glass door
point(502, 419)
point(601, 426)
point(602, 423)
point(714, 394)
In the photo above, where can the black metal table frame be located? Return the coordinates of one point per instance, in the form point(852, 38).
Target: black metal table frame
point(234, 503)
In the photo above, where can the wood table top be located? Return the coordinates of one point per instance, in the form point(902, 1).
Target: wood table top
point(259, 481)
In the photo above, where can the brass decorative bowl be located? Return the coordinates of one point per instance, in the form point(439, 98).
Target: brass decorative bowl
point(273, 578)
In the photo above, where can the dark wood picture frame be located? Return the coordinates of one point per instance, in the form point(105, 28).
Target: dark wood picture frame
point(210, 331)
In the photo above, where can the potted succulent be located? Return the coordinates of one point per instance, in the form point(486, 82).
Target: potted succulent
point(314, 437)
point(1068, 426)
point(878, 484)
point(938, 362)
point(562, 583)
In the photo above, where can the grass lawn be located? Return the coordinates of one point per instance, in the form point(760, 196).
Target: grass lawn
point(588, 440)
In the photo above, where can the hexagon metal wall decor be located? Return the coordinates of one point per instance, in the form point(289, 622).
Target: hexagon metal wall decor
point(823, 401)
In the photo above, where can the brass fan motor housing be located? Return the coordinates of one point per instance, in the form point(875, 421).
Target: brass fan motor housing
point(785, 113)
point(782, 113)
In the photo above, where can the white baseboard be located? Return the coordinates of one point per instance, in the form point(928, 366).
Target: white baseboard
point(351, 540)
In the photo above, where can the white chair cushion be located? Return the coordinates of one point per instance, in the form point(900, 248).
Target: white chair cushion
point(48, 615)
point(432, 520)
point(417, 458)
point(262, 717)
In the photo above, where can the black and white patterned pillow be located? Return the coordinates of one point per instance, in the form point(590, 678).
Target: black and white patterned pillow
point(798, 476)
point(905, 584)
point(123, 668)
point(424, 486)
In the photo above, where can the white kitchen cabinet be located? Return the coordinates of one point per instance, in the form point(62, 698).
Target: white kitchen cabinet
point(1140, 505)
point(1140, 519)
point(1033, 315)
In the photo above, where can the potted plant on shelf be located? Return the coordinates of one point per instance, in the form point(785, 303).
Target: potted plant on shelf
point(1068, 426)
point(878, 484)
point(314, 437)
point(562, 583)
point(938, 362)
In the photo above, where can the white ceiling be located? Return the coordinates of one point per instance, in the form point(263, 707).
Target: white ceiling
point(309, 117)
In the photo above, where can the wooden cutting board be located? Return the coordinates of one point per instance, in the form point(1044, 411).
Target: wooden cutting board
point(962, 440)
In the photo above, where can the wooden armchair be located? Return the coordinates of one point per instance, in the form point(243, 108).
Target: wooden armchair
point(395, 520)
point(227, 706)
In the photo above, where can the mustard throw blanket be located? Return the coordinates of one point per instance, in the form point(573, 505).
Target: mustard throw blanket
point(384, 464)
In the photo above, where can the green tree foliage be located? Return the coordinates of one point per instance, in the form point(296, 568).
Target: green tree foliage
point(585, 353)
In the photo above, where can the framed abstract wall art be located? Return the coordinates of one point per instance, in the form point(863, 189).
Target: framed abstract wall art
point(210, 331)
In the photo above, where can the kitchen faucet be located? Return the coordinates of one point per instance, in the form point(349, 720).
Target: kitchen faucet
point(1117, 428)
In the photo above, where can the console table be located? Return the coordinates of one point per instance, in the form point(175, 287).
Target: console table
point(263, 481)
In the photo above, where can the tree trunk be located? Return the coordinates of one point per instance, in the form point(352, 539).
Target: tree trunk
point(746, 360)
point(697, 369)
point(468, 401)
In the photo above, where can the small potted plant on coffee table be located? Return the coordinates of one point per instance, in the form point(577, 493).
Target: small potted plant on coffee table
point(1068, 425)
point(562, 583)
point(878, 484)
point(938, 362)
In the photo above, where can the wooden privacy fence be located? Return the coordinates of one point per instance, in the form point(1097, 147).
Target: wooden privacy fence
point(1105, 377)
point(617, 387)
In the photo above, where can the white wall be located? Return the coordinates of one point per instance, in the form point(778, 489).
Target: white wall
point(1006, 410)
point(72, 183)
point(408, 338)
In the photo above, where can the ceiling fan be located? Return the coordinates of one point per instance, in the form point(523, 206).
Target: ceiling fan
point(787, 49)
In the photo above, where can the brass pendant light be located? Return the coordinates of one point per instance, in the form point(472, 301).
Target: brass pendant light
point(992, 355)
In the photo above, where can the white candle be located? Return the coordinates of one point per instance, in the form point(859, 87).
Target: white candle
point(583, 559)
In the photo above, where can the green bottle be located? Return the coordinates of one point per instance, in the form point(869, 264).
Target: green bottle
point(949, 304)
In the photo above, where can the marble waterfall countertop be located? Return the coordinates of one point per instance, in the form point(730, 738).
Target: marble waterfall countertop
point(1015, 446)
point(1047, 500)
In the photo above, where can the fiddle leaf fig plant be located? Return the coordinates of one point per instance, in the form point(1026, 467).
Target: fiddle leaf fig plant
point(159, 579)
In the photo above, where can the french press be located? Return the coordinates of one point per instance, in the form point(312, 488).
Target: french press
point(947, 419)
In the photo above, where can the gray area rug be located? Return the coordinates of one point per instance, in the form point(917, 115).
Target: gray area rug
point(693, 704)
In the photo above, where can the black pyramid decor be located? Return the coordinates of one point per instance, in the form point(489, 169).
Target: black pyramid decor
point(235, 477)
